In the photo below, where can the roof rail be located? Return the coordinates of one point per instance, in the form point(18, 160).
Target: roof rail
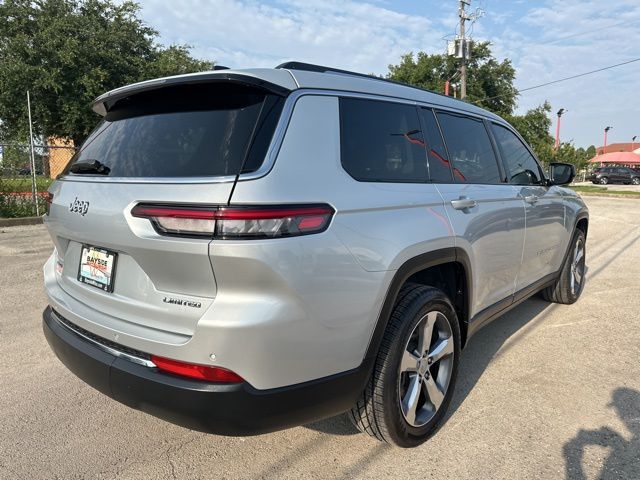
point(310, 67)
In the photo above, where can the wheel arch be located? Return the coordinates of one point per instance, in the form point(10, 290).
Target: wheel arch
point(582, 223)
point(449, 268)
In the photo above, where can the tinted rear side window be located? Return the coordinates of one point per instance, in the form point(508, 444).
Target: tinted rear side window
point(185, 131)
point(470, 149)
point(381, 141)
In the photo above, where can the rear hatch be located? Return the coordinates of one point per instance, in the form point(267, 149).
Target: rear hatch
point(182, 144)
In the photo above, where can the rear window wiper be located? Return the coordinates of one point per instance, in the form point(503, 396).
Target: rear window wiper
point(90, 167)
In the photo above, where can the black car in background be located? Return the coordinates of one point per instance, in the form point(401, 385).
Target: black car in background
point(605, 175)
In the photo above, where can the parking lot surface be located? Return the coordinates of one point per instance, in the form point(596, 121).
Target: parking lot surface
point(611, 186)
point(546, 391)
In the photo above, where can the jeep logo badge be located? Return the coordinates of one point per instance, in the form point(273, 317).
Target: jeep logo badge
point(79, 206)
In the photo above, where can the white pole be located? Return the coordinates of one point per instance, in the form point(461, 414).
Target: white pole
point(34, 185)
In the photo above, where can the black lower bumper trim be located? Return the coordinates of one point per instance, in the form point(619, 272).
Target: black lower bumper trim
point(224, 409)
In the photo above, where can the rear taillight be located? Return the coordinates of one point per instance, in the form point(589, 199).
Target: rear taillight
point(199, 372)
point(178, 220)
point(236, 222)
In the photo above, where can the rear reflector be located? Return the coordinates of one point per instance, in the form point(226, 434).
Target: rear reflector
point(236, 222)
point(199, 372)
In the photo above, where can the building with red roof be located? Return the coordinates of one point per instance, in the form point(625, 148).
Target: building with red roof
point(625, 159)
point(619, 147)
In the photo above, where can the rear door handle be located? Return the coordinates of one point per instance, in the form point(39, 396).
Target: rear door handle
point(463, 203)
point(530, 198)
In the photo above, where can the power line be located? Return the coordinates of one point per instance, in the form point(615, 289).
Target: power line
point(561, 80)
point(587, 32)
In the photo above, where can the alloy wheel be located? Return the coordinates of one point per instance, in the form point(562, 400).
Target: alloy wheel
point(577, 267)
point(425, 368)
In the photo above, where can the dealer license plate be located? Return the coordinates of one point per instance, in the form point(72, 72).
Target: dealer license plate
point(97, 267)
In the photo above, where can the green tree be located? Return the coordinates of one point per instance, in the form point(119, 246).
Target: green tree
point(66, 53)
point(568, 153)
point(489, 81)
point(591, 151)
point(582, 158)
point(174, 60)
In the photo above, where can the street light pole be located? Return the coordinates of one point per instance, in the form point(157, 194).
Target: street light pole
point(560, 112)
point(633, 141)
point(606, 131)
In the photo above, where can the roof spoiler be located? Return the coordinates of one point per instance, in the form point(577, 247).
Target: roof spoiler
point(105, 102)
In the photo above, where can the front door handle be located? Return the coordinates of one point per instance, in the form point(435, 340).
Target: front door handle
point(530, 199)
point(463, 203)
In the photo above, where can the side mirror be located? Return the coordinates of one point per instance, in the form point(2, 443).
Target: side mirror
point(561, 173)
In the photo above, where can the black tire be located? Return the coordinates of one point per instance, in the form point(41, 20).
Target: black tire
point(604, 180)
point(563, 291)
point(378, 412)
point(635, 180)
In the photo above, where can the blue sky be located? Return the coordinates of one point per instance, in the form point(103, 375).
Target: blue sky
point(546, 40)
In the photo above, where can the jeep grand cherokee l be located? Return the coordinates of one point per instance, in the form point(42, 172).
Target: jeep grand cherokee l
point(243, 251)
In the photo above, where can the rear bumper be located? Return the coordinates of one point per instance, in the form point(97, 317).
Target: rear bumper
point(236, 409)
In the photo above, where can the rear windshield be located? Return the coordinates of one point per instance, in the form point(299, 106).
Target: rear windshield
point(183, 131)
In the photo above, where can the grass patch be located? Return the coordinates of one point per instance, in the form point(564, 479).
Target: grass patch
point(23, 184)
point(15, 196)
point(604, 191)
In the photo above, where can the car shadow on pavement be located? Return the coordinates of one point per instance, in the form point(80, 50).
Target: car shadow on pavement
point(340, 425)
point(624, 455)
point(477, 355)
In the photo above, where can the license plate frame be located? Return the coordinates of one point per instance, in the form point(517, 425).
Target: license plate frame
point(97, 267)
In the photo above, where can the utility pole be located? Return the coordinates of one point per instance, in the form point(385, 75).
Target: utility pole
point(463, 47)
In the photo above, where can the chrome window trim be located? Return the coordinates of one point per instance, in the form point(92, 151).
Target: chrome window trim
point(117, 353)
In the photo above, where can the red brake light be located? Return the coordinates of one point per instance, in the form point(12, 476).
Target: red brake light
point(237, 222)
point(199, 372)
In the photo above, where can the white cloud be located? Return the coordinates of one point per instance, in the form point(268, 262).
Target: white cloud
point(368, 36)
point(567, 37)
point(241, 33)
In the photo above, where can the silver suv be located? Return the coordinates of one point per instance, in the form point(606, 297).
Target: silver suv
point(243, 251)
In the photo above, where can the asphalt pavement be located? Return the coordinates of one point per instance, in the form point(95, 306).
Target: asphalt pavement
point(546, 391)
